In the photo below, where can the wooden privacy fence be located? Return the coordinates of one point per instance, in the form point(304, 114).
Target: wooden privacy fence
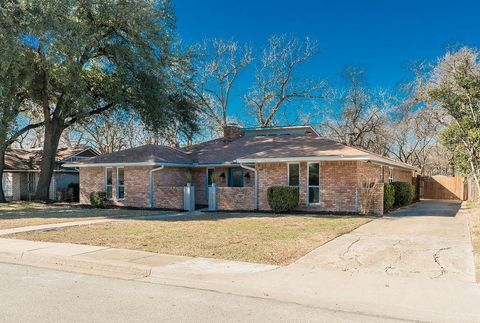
point(441, 187)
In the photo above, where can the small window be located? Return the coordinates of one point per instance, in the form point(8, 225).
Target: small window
point(382, 175)
point(235, 178)
point(314, 183)
point(294, 174)
point(120, 183)
point(108, 182)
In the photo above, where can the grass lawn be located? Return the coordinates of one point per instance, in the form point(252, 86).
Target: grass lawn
point(20, 214)
point(277, 240)
point(474, 223)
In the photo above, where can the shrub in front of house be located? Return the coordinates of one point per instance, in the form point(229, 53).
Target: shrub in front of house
point(388, 196)
point(282, 198)
point(403, 193)
point(97, 199)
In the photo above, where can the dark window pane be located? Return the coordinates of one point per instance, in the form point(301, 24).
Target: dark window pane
point(313, 174)
point(294, 174)
point(109, 176)
point(121, 192)
point(109, 192)
point(120, 179)
point(237, 177)
point(209, 175)
point(313, 195)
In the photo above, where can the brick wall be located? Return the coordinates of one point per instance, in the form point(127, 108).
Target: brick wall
point(339, 182)
point(137, 185)
point(92, 179)
point(400, 175)
point(168, 197)
point(371, 199)
point(235, 198)
point(269, 174)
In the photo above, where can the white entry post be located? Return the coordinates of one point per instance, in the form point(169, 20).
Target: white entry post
point(189, 197)
point(212, 197)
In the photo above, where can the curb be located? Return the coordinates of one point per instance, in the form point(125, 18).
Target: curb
point(78, 264)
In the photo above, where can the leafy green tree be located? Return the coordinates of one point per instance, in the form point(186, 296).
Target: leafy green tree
point(14, 79)
point(93, 56)
point(454, 84)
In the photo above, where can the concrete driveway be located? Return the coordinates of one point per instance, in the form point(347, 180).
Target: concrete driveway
point(429, 239)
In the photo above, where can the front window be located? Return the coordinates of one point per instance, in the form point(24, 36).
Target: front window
point(382, 176)
point(235, 178)
point(108, 182)
point(390, 175)
point(314, 183)
point(120, 183)
point(294, 174)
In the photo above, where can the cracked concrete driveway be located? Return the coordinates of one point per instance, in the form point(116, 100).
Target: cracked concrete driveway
point(429, 239)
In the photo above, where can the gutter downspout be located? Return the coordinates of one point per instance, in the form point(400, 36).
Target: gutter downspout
point(151, 183)
point(255, 187)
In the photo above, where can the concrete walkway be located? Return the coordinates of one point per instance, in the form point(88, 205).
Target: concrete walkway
point(429, 239)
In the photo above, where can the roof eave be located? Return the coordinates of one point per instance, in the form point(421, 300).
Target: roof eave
point(328, 158)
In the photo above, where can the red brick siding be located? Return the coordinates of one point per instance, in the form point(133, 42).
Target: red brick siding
point(401, 175)
point(371, 199)
point(269, 174)
point(168, 197)
point(92, 179)
point(338, 182)
point(137, 184)
point(235, 198)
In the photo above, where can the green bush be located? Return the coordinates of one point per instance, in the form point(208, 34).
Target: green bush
point(282, 198)
point(403, 193)
point(98, 199)
point(388, 196)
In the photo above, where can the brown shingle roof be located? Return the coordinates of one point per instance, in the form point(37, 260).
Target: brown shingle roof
point(143, 154)
point(217, 151)
point(246, 148)
point(30, 159)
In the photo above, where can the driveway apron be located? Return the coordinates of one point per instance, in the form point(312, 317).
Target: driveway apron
point(429, 239)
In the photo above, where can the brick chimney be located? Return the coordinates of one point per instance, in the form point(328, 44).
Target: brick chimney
point(231, 132)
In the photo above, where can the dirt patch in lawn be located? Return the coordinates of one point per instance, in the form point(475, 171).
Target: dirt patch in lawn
point(277, 240)
point(14, 215)
point(474, 224)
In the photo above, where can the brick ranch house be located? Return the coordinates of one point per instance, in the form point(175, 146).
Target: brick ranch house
point(331, 177)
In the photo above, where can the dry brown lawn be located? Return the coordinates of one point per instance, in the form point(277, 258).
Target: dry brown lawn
point(276, 240)
point(20, 214)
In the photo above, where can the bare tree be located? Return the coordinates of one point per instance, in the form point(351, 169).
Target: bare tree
point(216, 74)
point(358, 115)
point(275, 85)
point(414, 136)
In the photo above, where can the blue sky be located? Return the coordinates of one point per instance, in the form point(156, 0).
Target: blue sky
point(384, 37)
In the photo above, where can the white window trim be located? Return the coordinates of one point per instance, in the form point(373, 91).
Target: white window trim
point(106, 185)
point(390, 175)
point(382, 174)
point(319, 181)
point(288, 174)
point(118, 185)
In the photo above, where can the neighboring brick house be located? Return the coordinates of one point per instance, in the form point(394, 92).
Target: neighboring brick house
point(22, 170)
point(331, 177)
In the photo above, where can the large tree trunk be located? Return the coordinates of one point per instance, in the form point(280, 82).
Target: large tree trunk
point(2, 166)
point(53, 132)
